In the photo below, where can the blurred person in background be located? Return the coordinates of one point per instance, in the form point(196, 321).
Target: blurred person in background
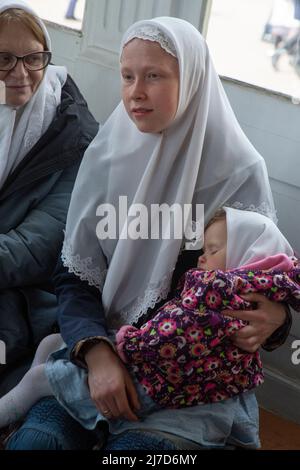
point(280, 23)
point(70, 14)
point(290, 44)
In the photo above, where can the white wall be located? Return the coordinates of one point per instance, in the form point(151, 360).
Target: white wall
point(270, 121)
point(272, 124)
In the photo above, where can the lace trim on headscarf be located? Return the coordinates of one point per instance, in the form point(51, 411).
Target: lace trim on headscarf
point(82, 267)
point(96, 278)
point(263, 208)
point(152, 33)
point(154, 294)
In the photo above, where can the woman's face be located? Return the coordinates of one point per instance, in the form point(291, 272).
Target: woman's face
point(150, 85)
point(20, 83)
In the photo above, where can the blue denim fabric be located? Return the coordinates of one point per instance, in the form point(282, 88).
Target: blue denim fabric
point(138, 440)
point(49, 427)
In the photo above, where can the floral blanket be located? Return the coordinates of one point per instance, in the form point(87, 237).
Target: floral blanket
point(184, 355)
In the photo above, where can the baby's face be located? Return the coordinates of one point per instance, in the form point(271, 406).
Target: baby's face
point(215, 247)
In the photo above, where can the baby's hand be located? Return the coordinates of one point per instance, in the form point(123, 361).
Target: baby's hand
point(124, 331)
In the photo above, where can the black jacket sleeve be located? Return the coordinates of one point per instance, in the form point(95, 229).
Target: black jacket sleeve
point(80, 310)
point(27, 251)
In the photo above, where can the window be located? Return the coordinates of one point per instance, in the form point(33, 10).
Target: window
point(56, 11)
point(241, 35)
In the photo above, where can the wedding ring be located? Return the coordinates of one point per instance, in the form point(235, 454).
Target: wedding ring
point(106, 412)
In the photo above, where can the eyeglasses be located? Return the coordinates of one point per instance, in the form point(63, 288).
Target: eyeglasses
point(33, 62)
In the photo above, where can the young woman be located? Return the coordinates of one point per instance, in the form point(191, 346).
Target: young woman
point(173, 138)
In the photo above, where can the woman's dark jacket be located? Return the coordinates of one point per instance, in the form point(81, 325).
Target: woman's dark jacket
point(33, 208)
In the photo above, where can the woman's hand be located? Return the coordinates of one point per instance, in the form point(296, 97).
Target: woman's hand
point(263, 321)
point(110, 384)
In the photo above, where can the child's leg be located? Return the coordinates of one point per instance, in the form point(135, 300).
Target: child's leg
point(48, 345)
point(15, 404)
point(34, 385)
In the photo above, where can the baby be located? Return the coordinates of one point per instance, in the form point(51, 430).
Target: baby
point(184, 355)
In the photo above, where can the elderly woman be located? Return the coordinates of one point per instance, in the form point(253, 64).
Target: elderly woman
point(45, 127)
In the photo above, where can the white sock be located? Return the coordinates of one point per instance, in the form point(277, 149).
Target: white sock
point(48, 345)
point(33, 386)
point(16, 403)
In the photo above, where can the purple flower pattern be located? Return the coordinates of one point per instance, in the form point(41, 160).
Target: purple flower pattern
point(184, 356)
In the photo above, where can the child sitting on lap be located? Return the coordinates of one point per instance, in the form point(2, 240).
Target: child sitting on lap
point(183, 355)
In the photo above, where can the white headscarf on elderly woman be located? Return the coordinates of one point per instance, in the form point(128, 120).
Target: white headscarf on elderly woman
point(22, 128)
point(203, 157)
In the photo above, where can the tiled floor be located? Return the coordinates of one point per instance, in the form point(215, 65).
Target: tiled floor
point(277, 433)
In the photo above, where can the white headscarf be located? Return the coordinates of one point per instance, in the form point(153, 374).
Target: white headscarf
point(203, 157)
point(251, 237)
point(22, 128)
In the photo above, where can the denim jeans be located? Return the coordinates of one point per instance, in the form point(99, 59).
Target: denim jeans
point(138, 440)
point(49, 427)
